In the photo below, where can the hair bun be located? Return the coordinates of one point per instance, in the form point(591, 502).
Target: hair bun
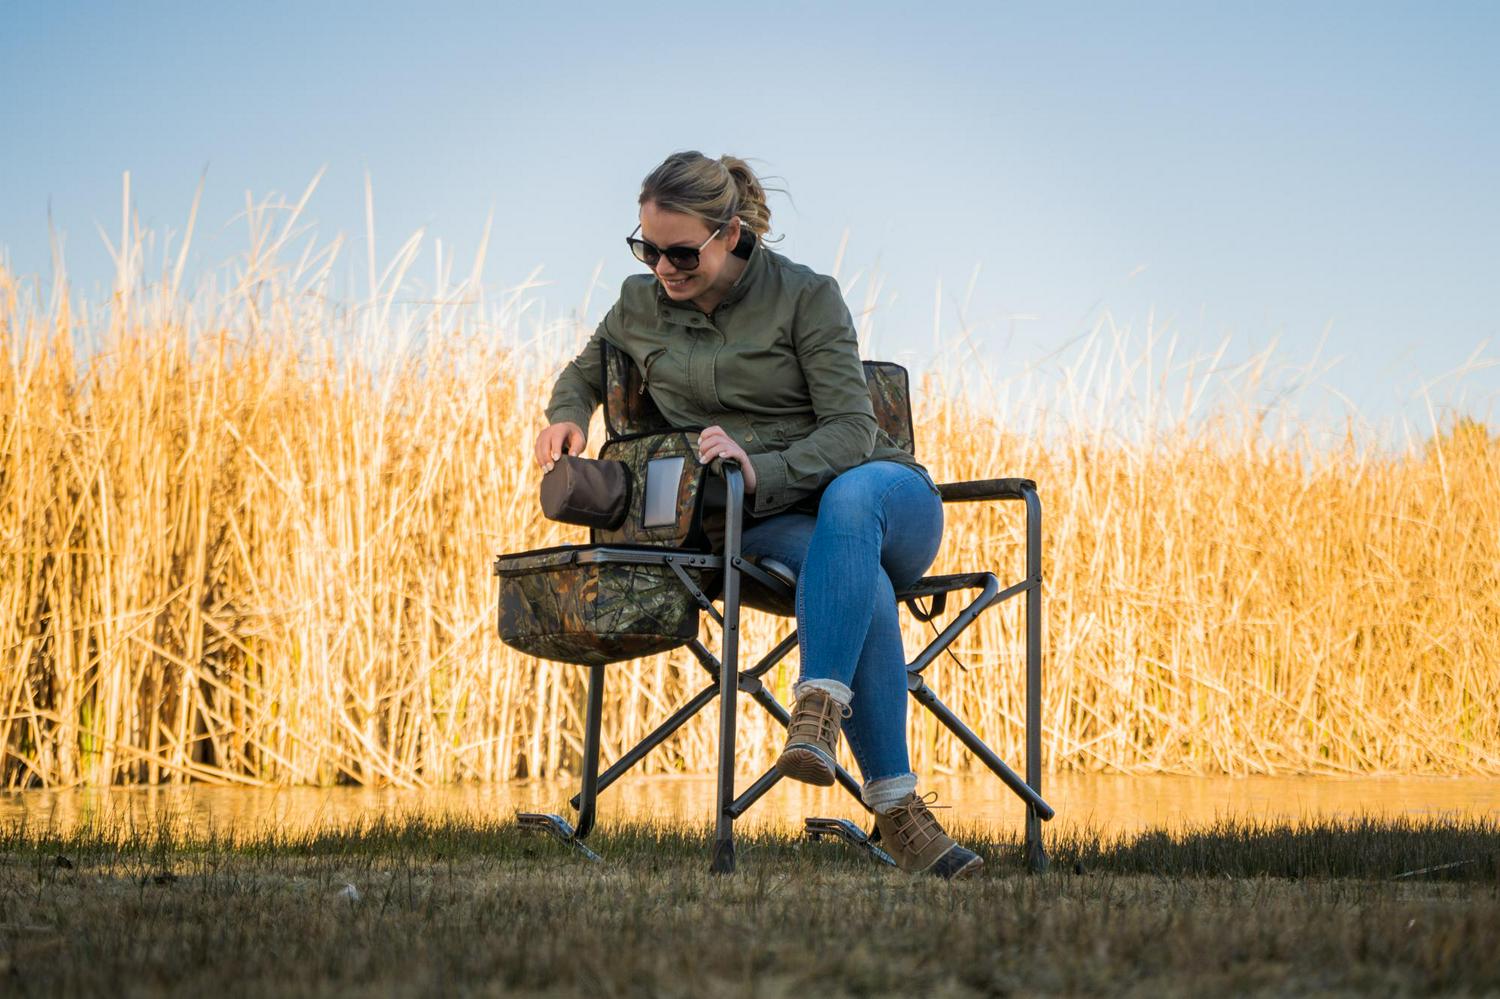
point(712, 190)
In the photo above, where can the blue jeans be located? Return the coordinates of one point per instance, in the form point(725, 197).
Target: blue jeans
point(878, 528)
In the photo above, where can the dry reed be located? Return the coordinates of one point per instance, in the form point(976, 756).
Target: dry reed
point(245, 536)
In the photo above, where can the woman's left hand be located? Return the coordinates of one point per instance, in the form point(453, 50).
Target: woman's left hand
point(714, 443)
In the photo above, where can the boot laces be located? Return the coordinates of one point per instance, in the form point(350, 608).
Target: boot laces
point(915, 824)
point(817, 716)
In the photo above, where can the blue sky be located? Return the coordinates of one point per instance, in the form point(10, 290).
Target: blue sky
point(1262, 171)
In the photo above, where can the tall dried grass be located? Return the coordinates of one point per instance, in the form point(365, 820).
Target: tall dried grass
point(246, 534)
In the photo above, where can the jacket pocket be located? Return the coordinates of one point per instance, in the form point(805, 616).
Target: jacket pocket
point(648, 363)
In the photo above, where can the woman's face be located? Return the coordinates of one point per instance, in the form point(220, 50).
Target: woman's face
point(666, 229)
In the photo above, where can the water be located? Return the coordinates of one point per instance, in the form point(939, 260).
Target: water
point(1106, 803)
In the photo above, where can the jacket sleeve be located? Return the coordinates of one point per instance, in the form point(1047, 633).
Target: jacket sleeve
point(576, 393)
point(828, 351)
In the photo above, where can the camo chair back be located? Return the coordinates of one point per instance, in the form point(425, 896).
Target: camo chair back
point(890, 395)
point(629, 409)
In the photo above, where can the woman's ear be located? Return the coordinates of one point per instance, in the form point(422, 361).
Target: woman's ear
point(732, 232)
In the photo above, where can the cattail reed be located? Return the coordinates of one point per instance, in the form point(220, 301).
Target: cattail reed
point(245, 537)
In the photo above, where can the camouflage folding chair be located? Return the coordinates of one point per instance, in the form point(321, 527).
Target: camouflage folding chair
point(640, 588)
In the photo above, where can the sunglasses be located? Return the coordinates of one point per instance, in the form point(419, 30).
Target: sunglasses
point(684, 258)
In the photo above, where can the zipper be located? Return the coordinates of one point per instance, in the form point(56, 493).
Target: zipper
point(651, 359)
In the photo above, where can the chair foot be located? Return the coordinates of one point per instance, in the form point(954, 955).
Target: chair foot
point(848, 832)
point(554, 825)
point(723, 862)
point(1036, 856)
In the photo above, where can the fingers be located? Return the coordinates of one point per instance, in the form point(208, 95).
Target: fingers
point(550, 443)
point(713, 443)
point(555, 437)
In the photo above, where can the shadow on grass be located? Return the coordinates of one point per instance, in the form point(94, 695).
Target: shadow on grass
point(466, 905)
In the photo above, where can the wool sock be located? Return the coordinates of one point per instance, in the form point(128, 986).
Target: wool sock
point(885, 793)
point(832, 688)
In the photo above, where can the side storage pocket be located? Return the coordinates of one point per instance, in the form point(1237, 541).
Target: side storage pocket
point(575, 605)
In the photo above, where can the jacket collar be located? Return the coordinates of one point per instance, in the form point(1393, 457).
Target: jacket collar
point(750, 248)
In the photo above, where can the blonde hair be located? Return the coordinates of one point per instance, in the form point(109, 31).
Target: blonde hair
point(712, 190)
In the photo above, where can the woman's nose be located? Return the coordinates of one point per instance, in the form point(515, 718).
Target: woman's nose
point(664, 266)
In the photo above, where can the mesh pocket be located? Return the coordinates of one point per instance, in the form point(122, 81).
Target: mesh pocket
point(572, 605)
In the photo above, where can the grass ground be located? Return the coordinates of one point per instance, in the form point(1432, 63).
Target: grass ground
point(469, 906)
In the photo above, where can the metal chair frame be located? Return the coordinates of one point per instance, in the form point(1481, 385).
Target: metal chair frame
point(726, 680)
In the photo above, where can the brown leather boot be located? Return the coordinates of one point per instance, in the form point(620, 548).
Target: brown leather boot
point(915, 841)
point(812, 738)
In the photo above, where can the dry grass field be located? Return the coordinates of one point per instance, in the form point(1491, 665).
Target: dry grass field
point(246, 529)
point(474, 907)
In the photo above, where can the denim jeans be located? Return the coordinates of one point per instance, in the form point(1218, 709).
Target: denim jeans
point(878, 528)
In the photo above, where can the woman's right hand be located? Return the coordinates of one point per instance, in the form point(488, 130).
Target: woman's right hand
point(556, 440)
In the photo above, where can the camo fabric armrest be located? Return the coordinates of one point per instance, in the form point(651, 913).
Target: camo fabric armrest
point(985, 489)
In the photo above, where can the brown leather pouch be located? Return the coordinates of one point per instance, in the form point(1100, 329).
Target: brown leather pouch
point(586, 491)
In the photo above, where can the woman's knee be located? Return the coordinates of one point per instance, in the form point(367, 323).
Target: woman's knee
point(853, 499)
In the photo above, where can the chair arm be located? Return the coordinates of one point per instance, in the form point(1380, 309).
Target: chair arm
point(985, 489)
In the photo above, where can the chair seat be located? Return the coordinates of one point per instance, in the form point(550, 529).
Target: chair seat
point(779, 599)
point(782, 601)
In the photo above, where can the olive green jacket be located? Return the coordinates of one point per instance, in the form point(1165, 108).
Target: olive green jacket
point(776, 365)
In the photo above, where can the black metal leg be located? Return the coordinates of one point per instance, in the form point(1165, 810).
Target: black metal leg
point(754, 792)
point(684, 714)
point(658, 735)
point(1036, 854)
point(966, 617)
point(850, 833)
point(723, 855)
point(698, 702)
point(775, 656)
point(589, 793)
point(929, 700)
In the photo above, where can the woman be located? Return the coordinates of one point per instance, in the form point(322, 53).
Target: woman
point(762, 353)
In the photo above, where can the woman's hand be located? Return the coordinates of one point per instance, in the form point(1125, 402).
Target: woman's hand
point(556, 439)
point(714, 443)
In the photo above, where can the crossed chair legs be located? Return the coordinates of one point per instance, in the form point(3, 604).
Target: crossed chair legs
point(749, 681)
